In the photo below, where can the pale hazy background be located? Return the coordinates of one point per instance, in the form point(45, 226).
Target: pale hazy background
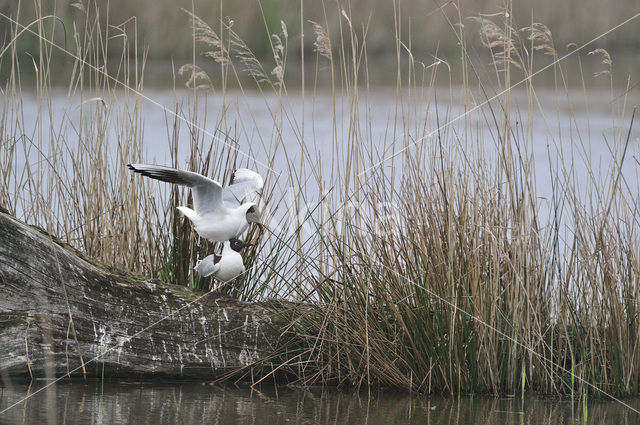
point(165, 33)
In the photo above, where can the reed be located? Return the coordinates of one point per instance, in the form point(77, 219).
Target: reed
point(424, 255)
point(456, 277)
point(428, 29)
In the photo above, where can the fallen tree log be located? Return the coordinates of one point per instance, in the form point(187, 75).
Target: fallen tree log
point(60, 314)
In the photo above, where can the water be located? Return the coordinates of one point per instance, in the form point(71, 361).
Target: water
point(194, 403)
point(580, 134)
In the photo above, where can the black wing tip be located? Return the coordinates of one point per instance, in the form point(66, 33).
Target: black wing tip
point(146, 173)
point(165, 174)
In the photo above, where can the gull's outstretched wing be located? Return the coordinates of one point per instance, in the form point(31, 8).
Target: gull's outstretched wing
point(244, 183)
point(207, 193)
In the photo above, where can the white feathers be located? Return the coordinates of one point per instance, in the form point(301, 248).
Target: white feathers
point(213, 219)
point(224, 267)
point(246, 185)
point(218, 214)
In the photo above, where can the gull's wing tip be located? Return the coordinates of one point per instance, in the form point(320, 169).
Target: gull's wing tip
point(134, 167)
point(245, 174)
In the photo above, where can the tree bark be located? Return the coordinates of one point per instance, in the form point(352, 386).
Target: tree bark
point(60, 313)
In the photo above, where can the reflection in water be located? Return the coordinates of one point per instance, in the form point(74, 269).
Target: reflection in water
point(192, 403)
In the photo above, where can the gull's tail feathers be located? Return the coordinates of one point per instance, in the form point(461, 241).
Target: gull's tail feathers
point(188, 212)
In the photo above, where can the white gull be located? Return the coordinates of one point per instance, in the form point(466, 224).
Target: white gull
point(218, 214)
point(226, 266)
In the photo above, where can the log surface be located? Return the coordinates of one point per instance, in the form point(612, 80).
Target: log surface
point(59, 311)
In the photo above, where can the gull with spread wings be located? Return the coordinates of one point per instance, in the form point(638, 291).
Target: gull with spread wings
point(218, 213)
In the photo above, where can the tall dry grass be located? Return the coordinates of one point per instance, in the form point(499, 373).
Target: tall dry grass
point(450, 274)
point(63, 169)
point(570, 19)
point(436, 270)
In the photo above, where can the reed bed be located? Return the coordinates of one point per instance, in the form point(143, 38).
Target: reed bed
point(425, 258)
point(427, 30)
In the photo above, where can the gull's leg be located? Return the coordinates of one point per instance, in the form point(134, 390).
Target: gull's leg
point(214, 294)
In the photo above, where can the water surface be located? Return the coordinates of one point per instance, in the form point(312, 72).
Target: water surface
point(160, 403)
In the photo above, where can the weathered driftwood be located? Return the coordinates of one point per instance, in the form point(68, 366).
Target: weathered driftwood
point(59, 311)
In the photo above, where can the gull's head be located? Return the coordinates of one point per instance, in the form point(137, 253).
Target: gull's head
point(253, 215)
point(237, 244)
